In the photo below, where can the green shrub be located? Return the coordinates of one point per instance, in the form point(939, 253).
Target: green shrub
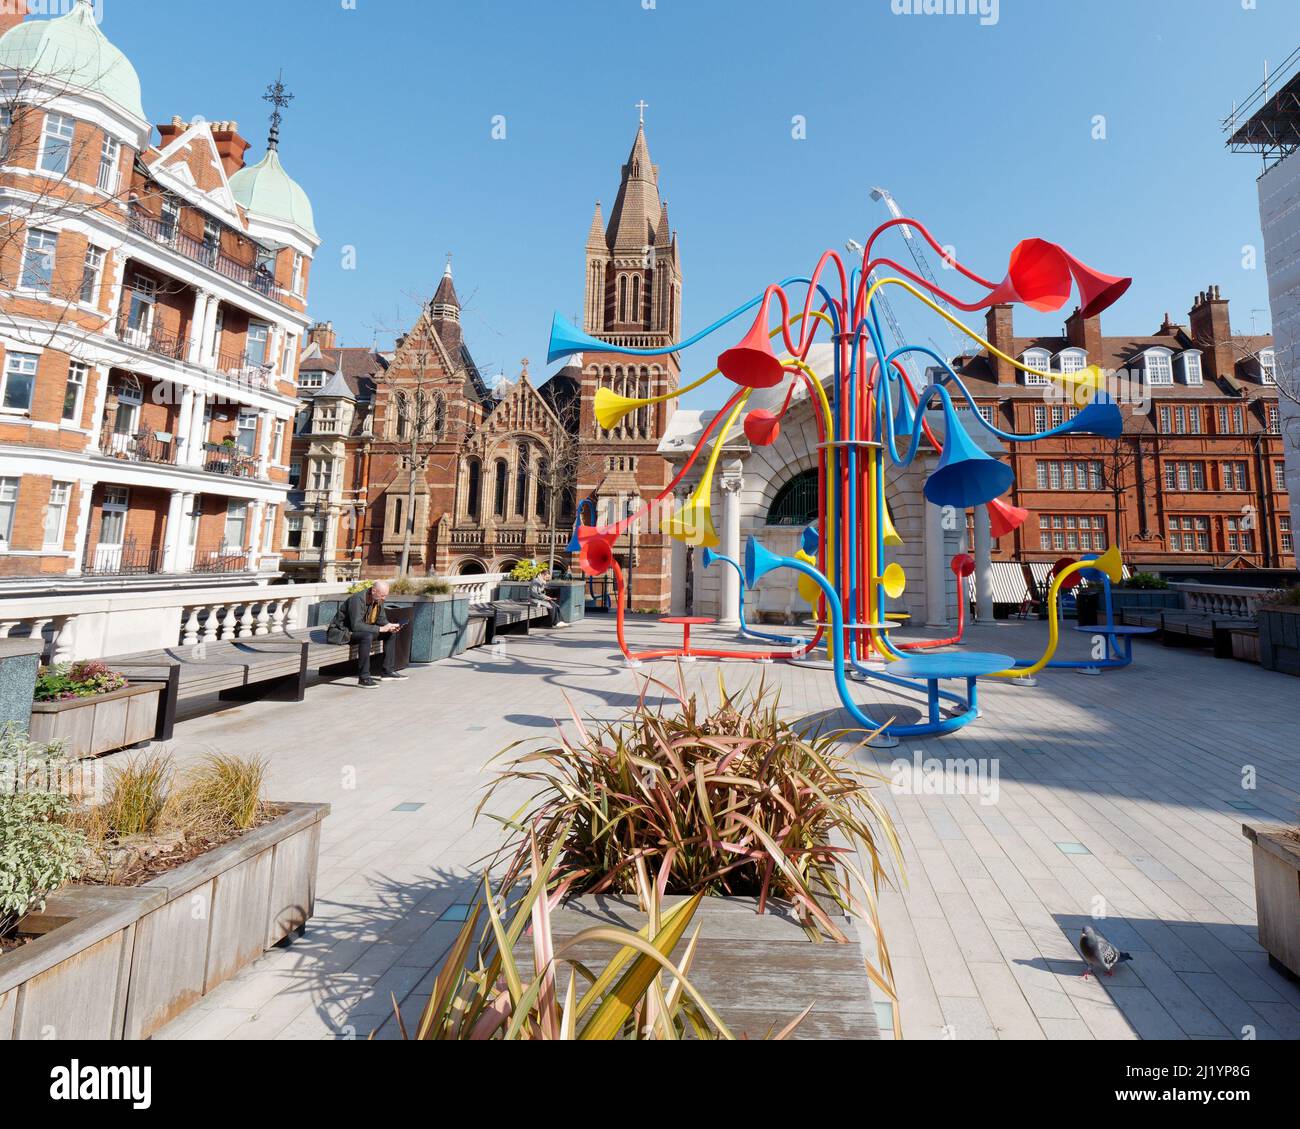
point(39, 852)
point(85, 679)
point(1146, 580)
point(419, 586)
point(527, 570)
point(360, 586)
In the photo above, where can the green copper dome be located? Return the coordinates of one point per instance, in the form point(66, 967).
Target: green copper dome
point(73, 51)
point(265, 189)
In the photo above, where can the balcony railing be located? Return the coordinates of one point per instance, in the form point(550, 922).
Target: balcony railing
point(151, 339)
point(137, 447)
point(221, 458)
point(130, 559)
point(169, 234)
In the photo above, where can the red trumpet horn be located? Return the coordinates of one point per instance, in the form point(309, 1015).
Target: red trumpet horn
point(1005, 518)
point(762, 427)
point(752, 363)
point(1038, 277)
point(596, 557)
point(963, 565)
point(1097, 291)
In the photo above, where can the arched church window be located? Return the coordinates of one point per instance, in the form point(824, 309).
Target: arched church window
point(439, 415)
point(521, 481)
point(543, 486)
point(622, 297)
point(502, 482)
point(636, 298)
point(474, 489)
point(403, 410)
point(796, 501)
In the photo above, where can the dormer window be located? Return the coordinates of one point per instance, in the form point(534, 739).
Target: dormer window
point(1037, 359)
point(1159, 366)
point(1071, 360)
point(1267, 367)
point(1189, 364)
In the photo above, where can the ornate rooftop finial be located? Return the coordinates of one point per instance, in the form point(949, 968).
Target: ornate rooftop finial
point(643, 106)
point(523, 375)
point(446, 271)
point(279, 97)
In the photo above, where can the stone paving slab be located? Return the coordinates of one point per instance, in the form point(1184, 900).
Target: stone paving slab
point(1114, 796)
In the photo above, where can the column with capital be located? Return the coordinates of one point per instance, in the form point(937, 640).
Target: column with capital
point(256, 516)
point(184, 425)
point(731, 484)
point(265, 425)
point(194, 347)
point(173, 537)
point(198, 431)
point(209, 347)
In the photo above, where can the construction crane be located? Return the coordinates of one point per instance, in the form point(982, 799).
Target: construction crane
point(891, 319)
point(917, 250)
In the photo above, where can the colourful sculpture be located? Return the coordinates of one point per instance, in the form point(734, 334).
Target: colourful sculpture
point(873, 413)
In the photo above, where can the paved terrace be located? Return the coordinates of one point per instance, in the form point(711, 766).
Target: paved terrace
point(1123, 791)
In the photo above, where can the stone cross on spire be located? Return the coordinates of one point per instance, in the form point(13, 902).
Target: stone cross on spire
point(279, 97)
point(643, 106)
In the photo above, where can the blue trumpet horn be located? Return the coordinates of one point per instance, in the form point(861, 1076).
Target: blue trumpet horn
point(710, 558)
point(567, 339)
point(1098, 418)
point(759, 561)
point(966, 476)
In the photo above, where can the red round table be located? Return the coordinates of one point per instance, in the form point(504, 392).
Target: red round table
point(686, 622)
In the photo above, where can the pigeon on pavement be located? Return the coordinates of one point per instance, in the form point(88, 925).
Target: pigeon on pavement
point(1100, 954)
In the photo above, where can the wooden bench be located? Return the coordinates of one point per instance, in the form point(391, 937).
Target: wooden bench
point(507, 617)
point(227, 669)
point(233, 670)
point(1189, 628)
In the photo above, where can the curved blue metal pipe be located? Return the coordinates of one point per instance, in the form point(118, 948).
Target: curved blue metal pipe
point(745, 629)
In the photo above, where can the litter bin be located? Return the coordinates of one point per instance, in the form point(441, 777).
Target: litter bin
point(402, 615)
point(1087, 604)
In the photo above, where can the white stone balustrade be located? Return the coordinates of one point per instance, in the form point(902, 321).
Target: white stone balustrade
point(99, 626)
point(479, 589)
point(1222, 599)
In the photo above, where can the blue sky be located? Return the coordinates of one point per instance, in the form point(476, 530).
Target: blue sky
point(985, 132)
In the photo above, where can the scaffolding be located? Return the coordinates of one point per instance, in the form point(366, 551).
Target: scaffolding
point(1268, 122)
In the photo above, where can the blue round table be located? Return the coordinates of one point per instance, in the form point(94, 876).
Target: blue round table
point(932, 669)
point(1111, 634)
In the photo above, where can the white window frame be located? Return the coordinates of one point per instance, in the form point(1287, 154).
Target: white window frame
point(23, 365)
point(277, 442)
point(262, 327)
point(92, 271)
point(8, 508)
point(1161, 359)
point(1071, 360)
point(235, 506)
point(110, 160)
point(6, 124)
point(269, 512)
point(293, 523)
point(1267, 366)
point(48, 247)
point(78, 377)
point(246, 428)
point(58, 132)
point(1193, 370)
point(299, 272)
point(1039, 359)
point(112, 505)
point(60, 501)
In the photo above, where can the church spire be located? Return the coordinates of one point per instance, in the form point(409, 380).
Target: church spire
point(596, 236)
point(444, 313)
point(631, 223)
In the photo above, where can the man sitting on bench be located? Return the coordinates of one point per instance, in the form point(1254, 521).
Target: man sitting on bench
point(361, 620)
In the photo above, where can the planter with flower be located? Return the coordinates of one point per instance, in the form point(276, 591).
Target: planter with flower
point(91, 709)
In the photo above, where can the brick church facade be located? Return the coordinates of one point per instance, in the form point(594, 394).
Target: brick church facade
point(411, 454)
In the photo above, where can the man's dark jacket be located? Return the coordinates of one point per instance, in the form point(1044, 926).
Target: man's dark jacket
point(350, 620)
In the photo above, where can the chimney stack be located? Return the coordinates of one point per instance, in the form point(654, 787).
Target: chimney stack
point(230, 146)
point(1212, 332)
point(1000, 330)
point(322, 335)
point(1085, 333)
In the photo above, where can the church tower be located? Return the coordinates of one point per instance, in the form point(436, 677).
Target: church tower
point(634, 299)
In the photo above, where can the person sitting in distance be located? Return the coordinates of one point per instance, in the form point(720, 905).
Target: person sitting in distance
point(537, 594)
point(361, 620)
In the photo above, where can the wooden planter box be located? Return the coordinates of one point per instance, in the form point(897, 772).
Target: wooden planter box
point(1279, 638)
point(1245, 645)
point(758, 971)
point(90, 726)
point(1277, 895)
point(119, 963)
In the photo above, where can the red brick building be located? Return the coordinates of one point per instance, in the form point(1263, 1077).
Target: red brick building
point(414, 443)
point(152, 295)
point(1197, 479)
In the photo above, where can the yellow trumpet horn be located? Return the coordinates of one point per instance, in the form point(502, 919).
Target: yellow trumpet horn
point(1111, 563)
point(611, 407)
point(693, 523)
point(1083, 385)
point(809, 589)
point(894, 581)
point(891, 534)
